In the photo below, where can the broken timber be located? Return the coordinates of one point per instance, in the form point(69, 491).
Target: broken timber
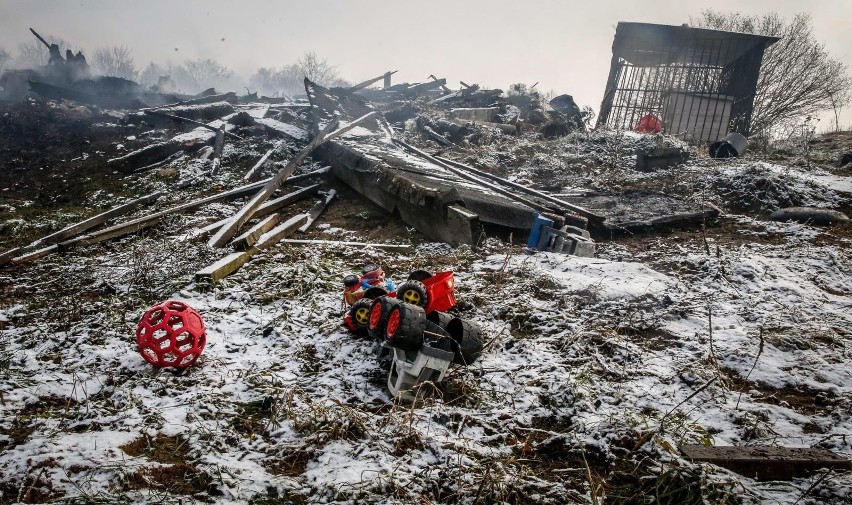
point(182, 119)
point(262, 161)
point(394, 247)
point(232, 262)
point(217, 150)
point(317, 209)
point(370, 82)
point(768, 463)
point(240, 218)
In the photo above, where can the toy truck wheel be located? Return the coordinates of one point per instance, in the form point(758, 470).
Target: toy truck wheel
point(405, 325)
point(440, 318)
point(379, 313)
point(413, 292)
point(467, 337)
point(360, 312)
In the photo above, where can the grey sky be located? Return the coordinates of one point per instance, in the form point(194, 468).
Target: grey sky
point(563, 45)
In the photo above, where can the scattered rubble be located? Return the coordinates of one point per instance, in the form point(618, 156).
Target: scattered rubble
point(617, 295)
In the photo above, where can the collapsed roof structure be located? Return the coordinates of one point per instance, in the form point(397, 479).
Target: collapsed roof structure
point(700, 82)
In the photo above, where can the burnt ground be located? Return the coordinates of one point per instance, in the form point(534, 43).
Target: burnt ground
point(53, 163)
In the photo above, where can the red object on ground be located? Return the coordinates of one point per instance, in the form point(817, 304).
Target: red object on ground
point(171, 334)
point(439, 291)
point(649, 124)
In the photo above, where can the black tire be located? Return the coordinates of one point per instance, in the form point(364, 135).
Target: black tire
point(437, 337)
point(440, 318)
point(379, 313)
point(360, 312)
point(467, 337)
point(404, 327)
point(351, 280)
point(419, 275)
point(413, 292)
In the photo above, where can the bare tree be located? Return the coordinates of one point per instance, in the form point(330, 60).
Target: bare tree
point(114, 61)
point(318, 70)
point(206, 73)
point(4, 58)
point(273, 82)
point(798, 77)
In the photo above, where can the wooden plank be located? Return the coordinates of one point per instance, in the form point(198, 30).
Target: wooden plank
point(182, 119)
point(7, 256)
point(273, 205)
point(544, 196)
point(395, 247)
point(224, 267)
point(281, 232)
point(370, 82)
point(249, 238)
point(143, 222)
point(317, 209)
point(34, 255)
point(285, 129)
point(240, 218)
point(218, 146)
point(768, 463)
point(262, 161)
point(232, 262)
point(97, 220)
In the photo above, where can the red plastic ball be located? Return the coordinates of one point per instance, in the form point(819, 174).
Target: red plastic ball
point(171, 334)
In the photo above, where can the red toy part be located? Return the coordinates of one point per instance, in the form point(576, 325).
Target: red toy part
point(440, 288)
point(171, 334)
point(649, 124)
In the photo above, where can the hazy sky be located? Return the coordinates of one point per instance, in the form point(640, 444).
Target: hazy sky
point(563, 45)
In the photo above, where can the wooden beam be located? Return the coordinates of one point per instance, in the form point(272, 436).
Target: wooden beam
point(591, 216)
point(217, 150)
point(399, 247)
point(270, 206)
point(317, 209)
point(182, 119)
point(370, 82)
point(767, 462)
point(7, 256)
point(250, 237)
point(97, 220)
point(34, 255)
point(262, 161)
point(240, 218)
point(232, 262)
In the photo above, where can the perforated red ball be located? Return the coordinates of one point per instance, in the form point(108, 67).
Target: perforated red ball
point(171, 334)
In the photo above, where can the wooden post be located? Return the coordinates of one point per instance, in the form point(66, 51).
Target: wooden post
point(262, 161)
point(217, 150)
point(228, 231)
point(317, 210)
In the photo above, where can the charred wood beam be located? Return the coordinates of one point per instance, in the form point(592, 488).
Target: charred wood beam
point(205, 112)
point(493, 187)
point(97, 220)
point(270, 206)
point(261, 162)
point(231, 263)
point(370, 82)
point(229, 97)
point(217, 150)
point(394, 247)
point(331, 131)
point(317, 209)
point(423, 87)
point(182, 119)
point(591, 216)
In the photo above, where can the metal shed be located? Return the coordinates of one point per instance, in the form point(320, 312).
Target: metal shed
point(700, 83)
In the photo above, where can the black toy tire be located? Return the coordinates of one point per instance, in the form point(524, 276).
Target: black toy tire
point(404, 327)
point(360, 313)
point(413, 292)
point(440, 318)
point(467, 337)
